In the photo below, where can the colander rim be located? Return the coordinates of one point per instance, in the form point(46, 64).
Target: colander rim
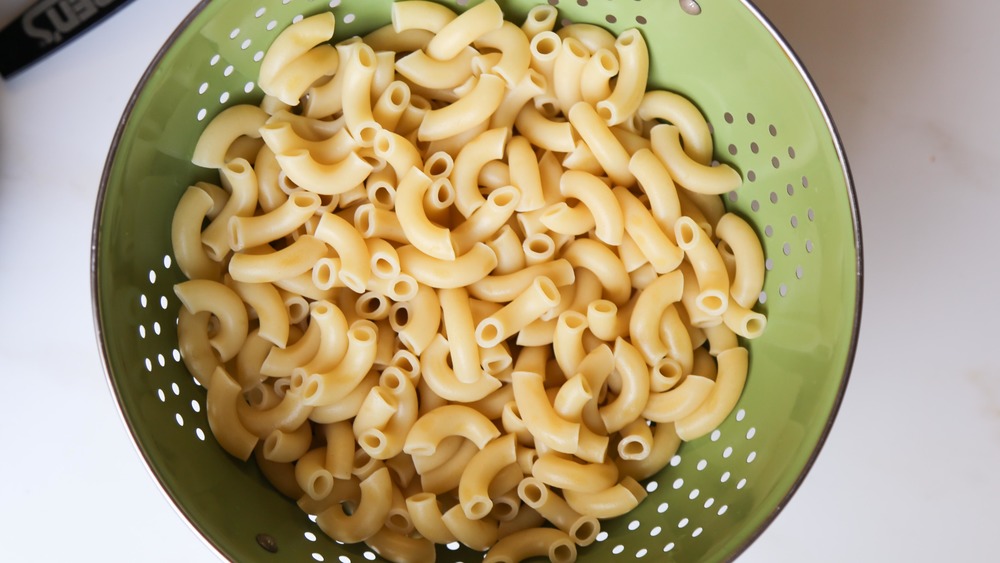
point(217, 549)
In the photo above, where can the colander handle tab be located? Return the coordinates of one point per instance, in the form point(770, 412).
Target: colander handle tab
point(47, 25)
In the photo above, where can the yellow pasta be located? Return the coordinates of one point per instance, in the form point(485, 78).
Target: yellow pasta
point(471, 287)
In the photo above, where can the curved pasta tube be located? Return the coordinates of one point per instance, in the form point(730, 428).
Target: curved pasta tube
point(633, 56)
point(592, 255)
point(466, 269)
point(540, 417)
point(705, 260)
point(239, 178)
point(250, 231)
point(185, 235)
point(359, 71)
point(386, 38)
point(508, 247)
point(416, 321)
point(592, 36)
point(652, 241)
point(565, 220)
point(348, 407)
point(464, 29)
point(644, 326)
point(636, 440)
point(420, 14)
point(487, 146)
point(427, 518)
point(214, 297)
point(287, 415)
point(398, 152)
point(423, 70)
point(567, 73)
point(281, 137)
point(540, 296)
point(449, 420)
point(478, 534)
point(729, 383)
point(325, 179)
point(512, 44)
point(367, 518)
point(423, 234)
point(275, 265)
point(330, 386)
point(533, 542)
point(487, 220)
point(401, 548)
point(533, 84)
point(595, 79)
point(676, 339)
point(443, 380)
point(599, 200)
point(332, 327)
point(678, 110)
point(265, 300)
point(506, 287)
point(607, 149)
point(224, 393)
point(655, 181)
point(525, 174)
point(634, 375)
point(458, 323)
point(193, 343)
point(569, 475)
point(611, 502)
point(220, 133)
point(292, 81)
point(697, 177)
point(473, 489)
point(540, 18)
point(293, 42)
point(287, 447)
point(744, 322)
point(680, 401)
point(749, 257)
point(350, 247)
point(582, 529)
point(387, 442)
point(662, 450)
point(555, 136)
point(472, 109)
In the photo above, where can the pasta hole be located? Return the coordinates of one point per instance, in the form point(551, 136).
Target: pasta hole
point(604, 112)
point(479, 508)
point(504, 198)
point(608, 62)
point(363, 221)
point(585, 531)
point(711, 302)
point(488, 333)
point(312, 389)
point(383, 143)
point(532, 494)
point(627, 38)
point(562, 552)
point(400, 317)
point(372, 441)
point(573, 321)
point(366, 56)
point(438, 164)
point(321, 484)
point(399, 521)
point(397, 96)
point(686, 233)
point(236, 167)
point(576, 48)
point(404, 288)
point(383, 196)
point(633, 449)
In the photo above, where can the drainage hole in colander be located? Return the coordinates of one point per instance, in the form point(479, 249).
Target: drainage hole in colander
point(709, 502)
point(260, 12)
point(348, 18)
point(794, 221)
point(694, 494)
point(369, 555)
point(728, 117)
point(754, 147)
point(142, 332)
point(798, 272)
point(652, 486)
point(318, 557)
point(690, 7)
point(641, 553)
point(245, 45)
point(601, 536)
point(234, 33)
point(195, 405)
point(634, 525)
point(727, 452)
point(149, 365)
point(751, 176)
point(782, 290)
point(775, 162)
point(716, 434)
point(618, 549)
point(611, 18)
point(752, 456)
point(668, 547)
point(751, 433)
point(763, 297)
point(179, 419)
point(683, 522)
point(161, 360)
point(725, 477)
point(772, 130)
point(768, 230)
point(217, 57)
point(774, 197)
point(655, 531)
point(755, 206)
point(702, 465)
point(641, 20)
point(161, 395)
point(697, 532)
point(723, 509)
point(200, 434)
point(751, 119)
point(271, 25)
point(678, 483)
point(202, 113)
point(334, 3)
point(662, 508)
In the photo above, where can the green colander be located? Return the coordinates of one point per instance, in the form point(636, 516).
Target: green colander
point(719, 492)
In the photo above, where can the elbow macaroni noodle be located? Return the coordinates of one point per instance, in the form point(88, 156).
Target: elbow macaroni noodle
point(456, 295)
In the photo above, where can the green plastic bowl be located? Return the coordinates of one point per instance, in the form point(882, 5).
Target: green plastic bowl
point(719, 492)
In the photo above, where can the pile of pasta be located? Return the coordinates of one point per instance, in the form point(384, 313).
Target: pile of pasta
point(463, 279)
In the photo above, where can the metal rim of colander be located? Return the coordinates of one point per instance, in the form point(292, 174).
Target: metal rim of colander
point(848, 363)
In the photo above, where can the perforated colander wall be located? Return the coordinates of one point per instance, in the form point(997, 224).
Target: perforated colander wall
point(719, 491)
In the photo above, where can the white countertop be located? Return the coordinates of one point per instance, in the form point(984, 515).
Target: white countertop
point(910, 470)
